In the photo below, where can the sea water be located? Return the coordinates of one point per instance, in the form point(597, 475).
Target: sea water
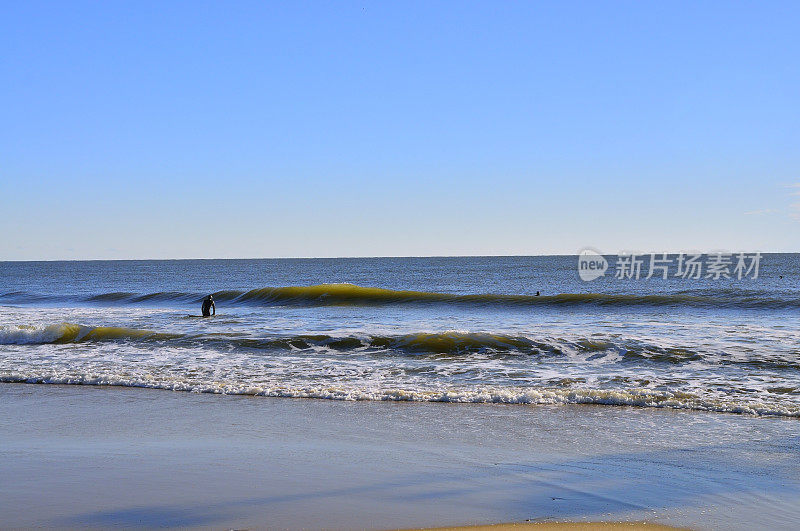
point(460, 329)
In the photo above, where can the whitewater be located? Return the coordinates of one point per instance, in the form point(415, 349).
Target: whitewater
point(415, 329)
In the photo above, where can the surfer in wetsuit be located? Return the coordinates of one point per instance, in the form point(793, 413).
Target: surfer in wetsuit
point(208, 306)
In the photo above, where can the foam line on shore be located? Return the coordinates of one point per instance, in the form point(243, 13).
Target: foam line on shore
point(476, 395)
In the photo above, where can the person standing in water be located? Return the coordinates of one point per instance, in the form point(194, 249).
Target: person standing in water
point(208, 306)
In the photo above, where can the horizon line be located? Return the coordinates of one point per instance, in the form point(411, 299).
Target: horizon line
point(363, 257)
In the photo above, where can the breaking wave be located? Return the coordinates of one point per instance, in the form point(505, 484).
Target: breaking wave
point(448, 353)
point(350, 294)
point(448, 343)
point(451, 342)
point(73, 333)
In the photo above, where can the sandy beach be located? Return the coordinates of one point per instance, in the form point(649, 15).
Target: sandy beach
point(103, 457)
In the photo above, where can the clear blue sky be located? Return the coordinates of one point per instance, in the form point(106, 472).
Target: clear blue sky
point(259, 129)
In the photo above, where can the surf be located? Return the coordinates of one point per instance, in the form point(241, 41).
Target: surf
point(531, 396)
point(73, 333)
point(354, 295)
point(441, 345)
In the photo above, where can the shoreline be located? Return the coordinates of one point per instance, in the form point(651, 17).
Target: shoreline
point(521, 397)
point(85, 456)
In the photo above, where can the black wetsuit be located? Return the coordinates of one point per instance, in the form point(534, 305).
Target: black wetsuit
point(208, 305)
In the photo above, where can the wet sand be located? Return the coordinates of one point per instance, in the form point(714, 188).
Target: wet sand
point(103, 457)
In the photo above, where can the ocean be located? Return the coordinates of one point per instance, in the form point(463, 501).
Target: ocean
point(454, 329)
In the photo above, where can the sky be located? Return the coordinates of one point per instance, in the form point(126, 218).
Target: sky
point(134, 129)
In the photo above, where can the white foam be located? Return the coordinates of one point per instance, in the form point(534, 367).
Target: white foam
point(484, 395)
point(750, 372)
point(30, 335)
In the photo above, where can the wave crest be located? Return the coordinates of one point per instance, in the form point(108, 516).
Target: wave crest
point(439, 344)
point(350, 294)
point(73, 333)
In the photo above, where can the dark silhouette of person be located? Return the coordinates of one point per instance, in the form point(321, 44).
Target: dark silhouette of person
point(208, 306)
